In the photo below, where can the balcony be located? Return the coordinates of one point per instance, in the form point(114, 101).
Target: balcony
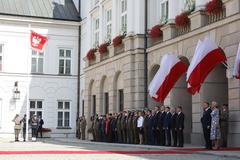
point(197, 20)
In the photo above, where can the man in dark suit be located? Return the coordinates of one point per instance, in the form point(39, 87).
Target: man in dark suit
point(150, 128)
point(173, 126)
point(206, 124)
point(156, 130)
point(167, 126)
point(160, 126)
point(180, 126)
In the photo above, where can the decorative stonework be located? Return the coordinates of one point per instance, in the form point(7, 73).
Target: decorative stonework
point(169, 31)
point(198, 19)
point(232, 7)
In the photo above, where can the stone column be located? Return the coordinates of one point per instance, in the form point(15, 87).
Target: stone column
point(200, 4)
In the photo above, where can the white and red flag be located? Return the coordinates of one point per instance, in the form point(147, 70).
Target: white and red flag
point(206, 57)
point(38, 41)
point(236, 69)
point(171, 69)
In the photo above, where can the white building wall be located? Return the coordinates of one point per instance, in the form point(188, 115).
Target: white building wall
point(48, 87)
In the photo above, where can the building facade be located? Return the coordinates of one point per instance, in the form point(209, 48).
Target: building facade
point(49, 78)
point(115, 81)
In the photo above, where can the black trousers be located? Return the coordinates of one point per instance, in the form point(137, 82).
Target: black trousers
point(158, 137)
point(150, 137)
point(174, 136)
point(162, 137)
point(40, 131)
point(206, 133)
point(180, 137)
point(168, 137)
point(24, 134)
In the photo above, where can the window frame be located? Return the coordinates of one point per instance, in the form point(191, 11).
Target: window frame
point(63, 111)
point(108, 17)
point(123, 15)
point(96, 32)
point(164, 15)
point(36, 109)
point(65, 59)
point(37, 56)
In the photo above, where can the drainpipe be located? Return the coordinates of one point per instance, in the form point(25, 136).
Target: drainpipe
point(146, 56)
point(79, 62)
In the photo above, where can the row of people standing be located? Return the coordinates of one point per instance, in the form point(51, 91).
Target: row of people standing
point(35, 122)
point(215, 125)
point(161, 126)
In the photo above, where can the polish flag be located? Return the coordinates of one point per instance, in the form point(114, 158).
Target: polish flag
point(236, 69)
point(206, 57)
point(38, 41)
point(171, 69)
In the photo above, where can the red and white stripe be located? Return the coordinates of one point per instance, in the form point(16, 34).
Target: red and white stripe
point(236, 69)
point(171, 69)
point(207, 56)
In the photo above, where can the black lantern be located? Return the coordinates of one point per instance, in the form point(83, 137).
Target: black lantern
point(16, 92)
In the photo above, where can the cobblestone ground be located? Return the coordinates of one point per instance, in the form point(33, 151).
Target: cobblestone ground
point(72, 149)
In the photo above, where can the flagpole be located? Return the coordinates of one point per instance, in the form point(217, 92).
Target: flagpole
point(28, 83)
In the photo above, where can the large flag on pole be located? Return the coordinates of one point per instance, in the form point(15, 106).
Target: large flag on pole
point(206, 57)
point(236, 69)
point(171, 69)
point(38, 41)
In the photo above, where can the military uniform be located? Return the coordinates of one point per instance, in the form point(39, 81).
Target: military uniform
point(119, 134)
point(17, 127)
point(83, 125)
point(123, 129)
point(135, 130)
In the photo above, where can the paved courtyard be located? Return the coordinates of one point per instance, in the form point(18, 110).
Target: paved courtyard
point(72, 149)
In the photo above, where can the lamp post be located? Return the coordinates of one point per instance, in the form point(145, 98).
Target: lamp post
point(16, 92)
point(146, 56)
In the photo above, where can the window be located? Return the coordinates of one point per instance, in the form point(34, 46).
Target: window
point(109, 23)
point(106, 102)
point(164, 11)
point(36, 107)
point(96, 32)
point(94, 105)
point(37, 62)
point(124, 15)
point(1, 57)
point(65, 61)
point(63, 114)
point(121, 99)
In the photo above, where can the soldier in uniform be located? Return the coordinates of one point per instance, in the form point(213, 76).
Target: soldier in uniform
point(17, 127)
point(83, 125)
point(129, 128)
point(224, 125)
point(135, 129)
point(123, 127)
point(95, 128)
point(78, 128)
point(119, 134)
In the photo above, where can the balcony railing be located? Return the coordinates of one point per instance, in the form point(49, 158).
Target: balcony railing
point(217, 16)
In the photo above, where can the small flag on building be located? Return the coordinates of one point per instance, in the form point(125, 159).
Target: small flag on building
point(38, 41)
point(236, 69)
point(171, 69)
point(206, 57)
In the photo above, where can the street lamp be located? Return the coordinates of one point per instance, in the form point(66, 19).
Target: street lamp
point(16, 92)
